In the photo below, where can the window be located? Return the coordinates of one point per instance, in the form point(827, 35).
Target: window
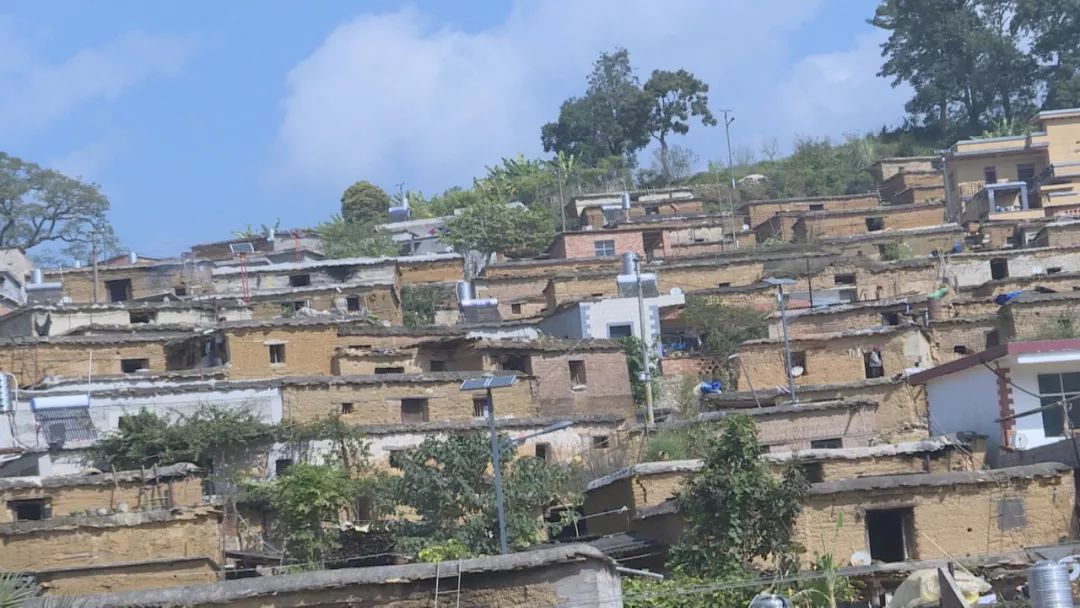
point(999, 269)
point(480, 406)
point(390, 370)
point(652, 210)
point(132, 366)
point(577, 374)
point(1025, 172)
point(518, 363)
point(119, 290)
point(515, 309)
point(601, 442)
point(813, 471)
point(347, 408)
point(277, 354)
point(623, 330)
point(833, 443)
point(890, 318)
point(35, 509)
point(289, 307)
point(844, 279)
point(437, 366)
point(1054, 388)
point(179, 290)
point(352, 303)
point(990, 174)
point(396, 458)
point(890, 534)
point(1011, 514)
point(414, 410)
point(873, 365)
point(724, 284)
point(281, 465)
point(874, 224)
point(798, 363)
point(960, 349)
point(541, 451)
point(817, 206)
point(299, 280)
point(1053, 270)
point(141, 317)
point(604, 249)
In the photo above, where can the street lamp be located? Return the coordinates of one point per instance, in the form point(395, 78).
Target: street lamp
point(487, 383)
point(779, 283)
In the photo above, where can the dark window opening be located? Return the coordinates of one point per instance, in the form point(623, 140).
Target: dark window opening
point(340, 274)
point(889, 532)
point(765, 449)
point(35, 509)
point(281, 465)
point(119, 290)
point(652, 210)
point(992, 338)
point(277, 354)
point(833, 443)
point(960, 349)
point(890, 318)
point(414, 410)
point(1053, 270)
point(142, 317)
point(180, 291)
point(436, 365)
point(798, 363)
point(397, 458)
point(844, 279)
point(518, 363)
point(390, 369)
point(1025, 172)
point(515, 309)
point(813, 471)
point(577, 374)
point(480, 407)
point(874, 224)
point(990, 175)
point(817, 206)
point(601, 442)
point(624, 330)
point(724, 284)
point(290, 307)
point(299, 280)
point(347, 408)
point(352, 303)
point(999, 268)
point(541, 451)
point(132, 366)
point(873, 365)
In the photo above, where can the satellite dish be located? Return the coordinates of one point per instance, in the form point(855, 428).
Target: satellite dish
point(797, 371)
point(1020, 441)
point(860, 558)
point(675, 291)
point(1072, 565)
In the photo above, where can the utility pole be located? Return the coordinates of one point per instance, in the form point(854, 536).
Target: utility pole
point(498, 473)
point(645, 363)
point(779, 283)
point(562, 195)
point(731, 172)
point(94, 257)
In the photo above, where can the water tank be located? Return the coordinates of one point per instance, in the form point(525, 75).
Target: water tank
point(625, 201)
point(1049, 586)
point(628, 259)
point(936, 310)
point(464, 291)
point(133, 258)
point(766, 600)
point(36, 277)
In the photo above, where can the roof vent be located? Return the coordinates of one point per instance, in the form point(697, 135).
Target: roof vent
point(133, 258)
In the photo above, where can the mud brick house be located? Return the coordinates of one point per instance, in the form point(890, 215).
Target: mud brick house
point(286, 242)
point(593, 211)
point(904, 242)
point(44, 320)
point(909, 181)
point(1017, 177)
point(1031, 316)
point(564, 575)
point(758, 212)
point(84, 554)
point(975, 268)
point(649, 243)
point(800, 426)
point(1039, 283)
point(814, 225)
point(958, 337)
point(377, 299)
point(281, 347)
point(885, 169)
point(143, 280)
point(1061, 233)
point(651, 484)
point(900, 414)
point(803, 322)
point(837, 357)
point(321, 273)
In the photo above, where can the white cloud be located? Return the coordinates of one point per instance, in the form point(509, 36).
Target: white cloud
point(87, 162)
point(38, 93)
point(397, 97)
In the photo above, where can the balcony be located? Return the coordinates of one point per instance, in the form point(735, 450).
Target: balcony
point(1004, 201)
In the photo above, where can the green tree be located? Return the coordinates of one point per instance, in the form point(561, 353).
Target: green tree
point(736, 509)
point(675, 97)
point(723, 328)
point(309, 501)
point(1054, 28)
point(365, 203)
point(447, 484)
point(611, 119)
point(631, 346)
point(40, 206)
point(344, 239)
point(960, 58)
point(419, 303)
point(491, 226)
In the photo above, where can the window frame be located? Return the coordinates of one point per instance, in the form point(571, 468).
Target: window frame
point(1051, 396)
point(601, 248)
point(574, 367)
point(277, 354)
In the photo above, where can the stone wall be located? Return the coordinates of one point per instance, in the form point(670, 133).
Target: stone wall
point(149, 574)
point(34, 360)
point(759, 211)
point(309, 350)
point(146, 280)
point(381, 301)
point(64, 501)
point(813, 226)
point(420, 271)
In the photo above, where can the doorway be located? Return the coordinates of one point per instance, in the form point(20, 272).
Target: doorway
point(890, 533)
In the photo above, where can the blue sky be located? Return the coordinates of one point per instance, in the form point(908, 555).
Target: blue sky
point(198, 118)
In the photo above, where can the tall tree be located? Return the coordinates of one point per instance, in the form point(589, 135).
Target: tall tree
point(492, 226)
point(1054, 28)
point(611, 119)
point(674, 98)
point(960, 58)
point(365, 203)
point(40, 206)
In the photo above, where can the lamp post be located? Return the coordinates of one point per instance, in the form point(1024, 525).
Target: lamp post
point(779, 283)
point(487, 383)
point(731, 173)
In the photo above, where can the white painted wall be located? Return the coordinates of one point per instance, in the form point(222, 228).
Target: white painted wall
point(964, 401)
point(1026, 376)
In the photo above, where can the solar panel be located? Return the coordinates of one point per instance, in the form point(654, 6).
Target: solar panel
point(64, 424)
point(242, 248)
point(486, 382)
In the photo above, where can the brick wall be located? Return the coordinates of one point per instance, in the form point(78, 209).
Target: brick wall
point(582, 244)
point(795, 430)
point(607, 389)
point(1058, 236)
point(953, 339)
point(309, 350)
point(843, 320)
point(128, 577)
point(33, 362)
point(814, 226)
point(380, 403)
point(145, 280)
point(594, 216)
point(380, 301)
point(1038, 320)
point(66, 500)
point(918, 245)
point(919, 194)
point(759, 212)
point(548, 268)
point(430, 271)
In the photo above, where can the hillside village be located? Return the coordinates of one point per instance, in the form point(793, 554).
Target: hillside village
point(915, 345)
